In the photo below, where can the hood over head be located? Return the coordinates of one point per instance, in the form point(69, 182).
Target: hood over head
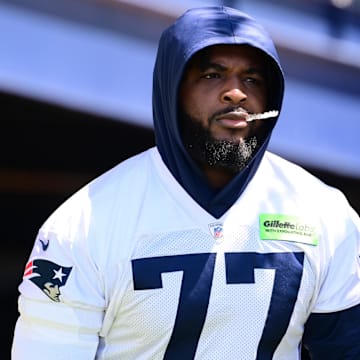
point(195, 30)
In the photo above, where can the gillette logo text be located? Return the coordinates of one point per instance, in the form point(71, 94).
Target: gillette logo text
point(288, 225)
point(287, 228)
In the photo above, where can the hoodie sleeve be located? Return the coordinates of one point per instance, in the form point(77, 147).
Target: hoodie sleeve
point(333, 329)
point(334, 335)
point(62, 301)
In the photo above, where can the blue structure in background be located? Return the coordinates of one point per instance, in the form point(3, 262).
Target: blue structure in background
point(95, 57)
point(100, 65)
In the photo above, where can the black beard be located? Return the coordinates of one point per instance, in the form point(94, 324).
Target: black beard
point(205, 149)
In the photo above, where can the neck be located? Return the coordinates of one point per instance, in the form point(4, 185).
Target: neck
point(217, 178)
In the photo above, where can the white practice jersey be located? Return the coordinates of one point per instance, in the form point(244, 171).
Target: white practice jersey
point(132, 268)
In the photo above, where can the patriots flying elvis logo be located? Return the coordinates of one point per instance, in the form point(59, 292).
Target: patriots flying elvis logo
point(47, 276)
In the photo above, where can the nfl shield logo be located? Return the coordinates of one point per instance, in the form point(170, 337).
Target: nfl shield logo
point(216, 230)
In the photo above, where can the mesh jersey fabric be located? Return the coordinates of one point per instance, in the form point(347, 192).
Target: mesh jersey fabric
point(151, 280)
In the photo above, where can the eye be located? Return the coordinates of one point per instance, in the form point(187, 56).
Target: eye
point(212, 75)
point(251, 80)
point(254, 80)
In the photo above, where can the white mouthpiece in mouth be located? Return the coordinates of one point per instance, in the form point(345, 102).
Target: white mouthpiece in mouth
point(261, 116)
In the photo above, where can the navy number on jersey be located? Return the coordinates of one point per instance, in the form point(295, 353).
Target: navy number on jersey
point(198, 270)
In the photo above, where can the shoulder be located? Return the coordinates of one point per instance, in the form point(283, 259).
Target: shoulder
point(88, 217)
point(121, 180)
point(285, 169)
point(132, 170)
point(298, 180)
point(290, 183)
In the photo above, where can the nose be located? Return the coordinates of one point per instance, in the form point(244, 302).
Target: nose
point(233, 94)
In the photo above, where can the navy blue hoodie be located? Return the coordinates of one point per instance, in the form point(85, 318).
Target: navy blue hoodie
point(193, 31)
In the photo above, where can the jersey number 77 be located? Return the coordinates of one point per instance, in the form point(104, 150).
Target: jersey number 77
point(198, 271)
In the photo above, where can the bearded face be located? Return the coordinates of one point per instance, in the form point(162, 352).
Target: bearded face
point(226, 154)
point(221, 86)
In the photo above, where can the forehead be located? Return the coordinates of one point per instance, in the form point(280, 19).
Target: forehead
point(228, 54)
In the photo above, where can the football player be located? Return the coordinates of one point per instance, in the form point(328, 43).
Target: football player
point(206, 246)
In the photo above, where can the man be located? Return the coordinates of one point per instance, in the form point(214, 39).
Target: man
point(207, 246)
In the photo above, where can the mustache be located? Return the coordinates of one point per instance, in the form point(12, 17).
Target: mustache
point(229, 110)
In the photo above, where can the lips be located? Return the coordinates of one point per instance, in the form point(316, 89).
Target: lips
point(233, 119)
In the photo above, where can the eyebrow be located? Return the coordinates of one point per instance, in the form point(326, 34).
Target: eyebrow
point(206, 65)
point(252, 70)
point(256, 70)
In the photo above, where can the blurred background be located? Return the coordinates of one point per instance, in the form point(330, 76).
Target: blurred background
point(75, 95)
